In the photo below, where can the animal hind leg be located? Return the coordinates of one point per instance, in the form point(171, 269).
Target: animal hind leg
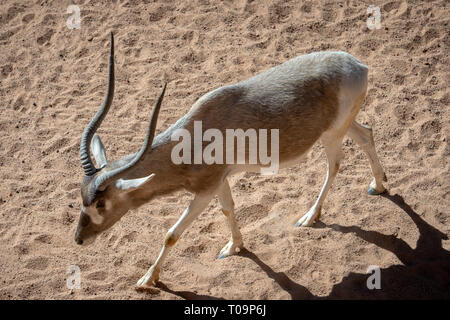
point(363, 136)
point(333, 150)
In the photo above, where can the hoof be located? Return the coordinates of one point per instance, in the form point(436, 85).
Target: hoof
point(305, 225)
point(149, 280)
point(298, 224)
point(309, 218)
point(371, 191)
point(230, 249)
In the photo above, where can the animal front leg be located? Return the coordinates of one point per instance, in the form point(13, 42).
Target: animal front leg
point(227, 204)
point(189, 215)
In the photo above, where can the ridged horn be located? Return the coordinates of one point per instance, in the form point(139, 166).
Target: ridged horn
point(85, 156)
point(105, 179)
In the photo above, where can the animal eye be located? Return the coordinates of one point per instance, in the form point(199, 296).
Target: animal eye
point(100, 204)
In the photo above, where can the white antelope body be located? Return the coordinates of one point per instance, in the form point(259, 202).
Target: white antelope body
point(311, 97)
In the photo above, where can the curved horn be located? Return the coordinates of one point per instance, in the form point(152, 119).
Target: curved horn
point(85, 156)
point(106, 178)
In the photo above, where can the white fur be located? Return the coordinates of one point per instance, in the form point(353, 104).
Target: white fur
point(93, 214)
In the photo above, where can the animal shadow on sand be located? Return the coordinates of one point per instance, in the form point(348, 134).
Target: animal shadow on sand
point(424, 273)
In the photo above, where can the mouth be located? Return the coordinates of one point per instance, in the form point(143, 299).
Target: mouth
point(85, 242)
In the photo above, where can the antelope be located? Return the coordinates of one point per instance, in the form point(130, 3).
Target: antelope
point(308, 98)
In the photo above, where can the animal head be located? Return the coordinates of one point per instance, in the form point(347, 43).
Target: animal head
point(105, 190)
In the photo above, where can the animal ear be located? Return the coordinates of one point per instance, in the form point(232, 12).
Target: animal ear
point(98, 150)
point(129, 185)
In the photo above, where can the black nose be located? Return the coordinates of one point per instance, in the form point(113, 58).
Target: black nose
point(79, 241)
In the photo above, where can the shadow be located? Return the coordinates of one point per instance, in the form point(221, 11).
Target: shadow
point(429, 244)
point(185, 294)
point(424, 273)
point(297, 291)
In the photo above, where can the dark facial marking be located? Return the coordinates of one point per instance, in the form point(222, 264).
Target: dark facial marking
point(85, 220)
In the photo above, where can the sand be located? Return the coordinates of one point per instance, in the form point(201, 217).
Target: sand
point(53, 79)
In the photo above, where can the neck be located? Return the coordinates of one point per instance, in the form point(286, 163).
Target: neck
point(168, 176)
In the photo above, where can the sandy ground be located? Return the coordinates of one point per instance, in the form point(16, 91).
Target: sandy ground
point(53, 79)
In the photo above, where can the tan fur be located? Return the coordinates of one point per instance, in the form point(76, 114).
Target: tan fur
point(308, 110)
point(311, 97)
